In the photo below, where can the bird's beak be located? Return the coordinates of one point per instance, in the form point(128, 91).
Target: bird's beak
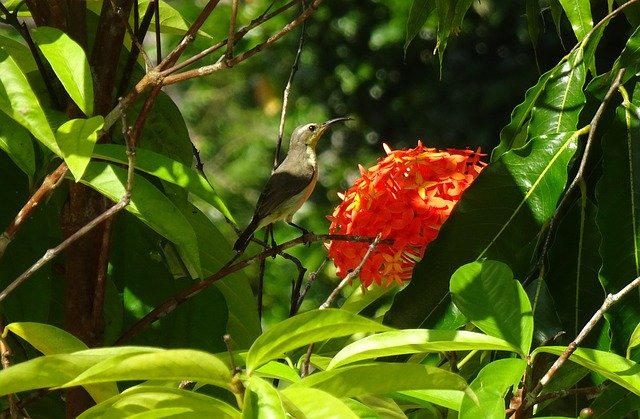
point(334, 120)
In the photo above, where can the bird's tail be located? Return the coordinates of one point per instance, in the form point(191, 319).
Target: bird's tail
point(245, 237)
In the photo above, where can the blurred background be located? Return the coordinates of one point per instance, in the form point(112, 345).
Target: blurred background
point(354, 63)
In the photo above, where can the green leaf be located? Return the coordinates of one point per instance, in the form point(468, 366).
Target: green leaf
point(533, 21)
point(306, 328)
point(171, 21)
point(499, 217)
point(621, 371)
point(55, 370)
point(166, 169)
point(514, 135)
point(70, 64)
point(361, 379)
point(615, 402)
point(450, 15)
point(560, 103)
point(148, 204)
point(76, 138)
point(317, 404)
point(21, 104)
point(45, 338)
point(20, 53)
point(262, 400)
point(618, 219)
point(410, 341)
point(546, 321)
point(418, 14)
point(16, 142)
point(156, 400)
point(278, 370)
point(490, 387)
point(579, 14)
point(360, 298)
point(170, 364)
point(486, 293)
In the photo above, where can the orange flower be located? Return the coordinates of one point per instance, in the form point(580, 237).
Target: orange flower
point(407, 196)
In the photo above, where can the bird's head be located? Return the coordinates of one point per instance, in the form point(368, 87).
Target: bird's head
point(308, 135)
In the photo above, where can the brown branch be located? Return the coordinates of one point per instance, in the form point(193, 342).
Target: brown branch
point(50, 183)
point(232, 30)
point(610, 300)
point(302, 294)
point(224, 64)
point(5, 361)
point(173, 302)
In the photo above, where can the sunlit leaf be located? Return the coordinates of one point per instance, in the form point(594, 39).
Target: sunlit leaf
point(262, 400)
point(490, 387)
point(155, 400)
point(76, 138)
point(70, 64)
point(16, 142)
point(317, 404)
point(45, 338)
point(411, 341)
point(170, 364)
point(579, 14)
point(21, 104)
point(493, 301)
point(306, 328)
point(360, 379)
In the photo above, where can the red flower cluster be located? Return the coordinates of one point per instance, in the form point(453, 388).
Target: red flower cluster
point(407, 196)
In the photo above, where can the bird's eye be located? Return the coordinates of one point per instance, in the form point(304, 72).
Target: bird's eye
point(312, 128)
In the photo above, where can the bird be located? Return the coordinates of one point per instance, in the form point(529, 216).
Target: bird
point(290, 184)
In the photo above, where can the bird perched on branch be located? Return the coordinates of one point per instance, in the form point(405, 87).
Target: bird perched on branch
point(291, 184)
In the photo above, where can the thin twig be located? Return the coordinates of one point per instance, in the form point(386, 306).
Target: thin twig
point(287, 91)
point(156, 14)
point(304, 371)
point(137, 42)
point(50, 183)
point(232, 30)
point(302, 294)
point(610, 300)
point(173, 302)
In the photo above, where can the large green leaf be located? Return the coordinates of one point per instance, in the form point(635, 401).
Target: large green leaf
point(55, 370)
point(619, 219)
point(45, 338)
point(16, 142)
point(70, 64)
point(20, 102)
point(20, 53)
point(167, 169)
point(558, 107)
point(579, 14)
point(76, 138)
point(622, 371)
point(170, 364)
point(409, 341)
point(499, 217)
point(451, 399)
point(148, 204)
point(303, 329)
point(156, 400)
point(486, 293)
point(317, 404)
point(361, 379)
point(490, 387)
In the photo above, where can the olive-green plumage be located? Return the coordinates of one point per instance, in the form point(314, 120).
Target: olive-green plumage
point(291, 183)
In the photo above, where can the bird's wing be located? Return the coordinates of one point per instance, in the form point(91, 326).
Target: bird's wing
point(280, 187)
